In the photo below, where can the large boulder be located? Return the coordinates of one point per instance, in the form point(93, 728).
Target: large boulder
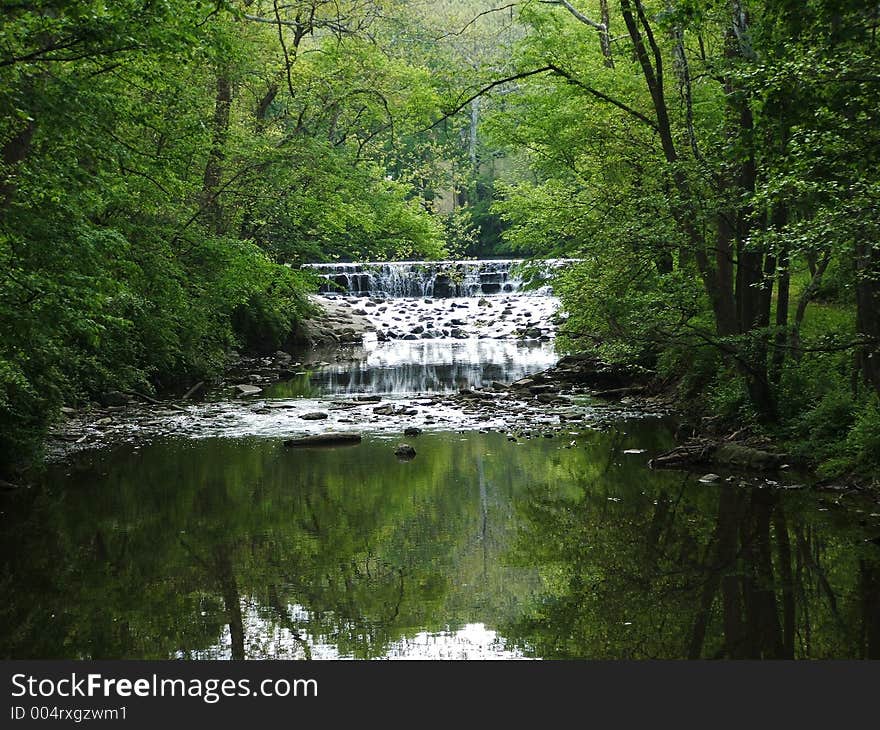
point(247, 389)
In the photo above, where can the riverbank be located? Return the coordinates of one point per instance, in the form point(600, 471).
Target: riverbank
point(362, 371)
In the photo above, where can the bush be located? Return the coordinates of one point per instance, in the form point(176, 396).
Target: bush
point(863, 440)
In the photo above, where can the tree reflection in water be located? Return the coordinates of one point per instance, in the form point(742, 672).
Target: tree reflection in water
point(478, 547)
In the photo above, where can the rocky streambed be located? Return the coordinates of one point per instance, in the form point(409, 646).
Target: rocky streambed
point(383, 366)
point(551, 403)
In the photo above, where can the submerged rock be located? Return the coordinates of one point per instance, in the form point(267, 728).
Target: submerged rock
point(324, 439)
point(404, 452)
point(412, 431)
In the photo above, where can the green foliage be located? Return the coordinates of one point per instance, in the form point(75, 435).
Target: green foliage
point(147, 214)
point(863, 440)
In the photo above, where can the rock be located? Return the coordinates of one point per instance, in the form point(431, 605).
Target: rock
point(483, 302)
point(497, 385)
point(386, 410)
point(324, 439)
point(709, 478)
point(551, 398)
point(618, 393)
point(404, 452)
point(481, 395)
point(316, 416)
point(283, 358)
point(524, 383)
point(412, 431)
point(443, 287)
point(114, 398)
point(245, 389)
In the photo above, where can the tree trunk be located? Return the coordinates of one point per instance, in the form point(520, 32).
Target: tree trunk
point(783, 545)
point(605, 35)
point(783, 299)
point(214, 167)
point(14, 152)
point(231, 599)
point(867, 260)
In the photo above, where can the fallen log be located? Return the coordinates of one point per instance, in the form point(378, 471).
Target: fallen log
point(195, 389)
point(619, 393)
point(699, 452)
point(156, 402)
point(324, 439)
point(726, 454)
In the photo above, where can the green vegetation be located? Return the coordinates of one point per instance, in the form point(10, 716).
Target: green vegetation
point(166, 167)
point(162, 161)
point(714, 165)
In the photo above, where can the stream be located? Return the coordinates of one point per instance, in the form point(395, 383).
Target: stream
point(518, 531)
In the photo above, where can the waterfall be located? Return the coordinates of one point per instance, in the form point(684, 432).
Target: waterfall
point(440, 279)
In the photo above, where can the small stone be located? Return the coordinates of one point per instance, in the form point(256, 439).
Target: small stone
point(316, 416)
point(709, 478)
point(404, 452)
point(412, 431)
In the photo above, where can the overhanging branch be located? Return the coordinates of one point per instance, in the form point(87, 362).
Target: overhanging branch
point(577, 14)
point(556, 71)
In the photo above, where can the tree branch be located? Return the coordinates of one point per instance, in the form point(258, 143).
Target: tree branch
point(604, 97)
point(475, 19)
point(556, 71)
point(576, 13)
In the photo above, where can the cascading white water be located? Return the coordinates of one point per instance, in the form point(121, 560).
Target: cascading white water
point(441, 279)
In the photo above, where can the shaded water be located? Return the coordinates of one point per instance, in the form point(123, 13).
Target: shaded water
point(477, 548)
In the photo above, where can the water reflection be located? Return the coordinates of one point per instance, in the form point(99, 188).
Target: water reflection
point(478, 547)
point(408, 367)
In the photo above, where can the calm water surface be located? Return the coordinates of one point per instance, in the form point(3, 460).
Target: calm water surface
point(477, 548)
